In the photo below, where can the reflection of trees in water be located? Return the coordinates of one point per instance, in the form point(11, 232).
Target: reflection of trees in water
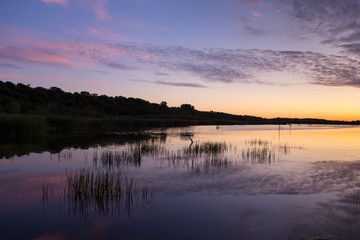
point(102, 192)
point(259, 151)
point(55, 142)
point(65, 155)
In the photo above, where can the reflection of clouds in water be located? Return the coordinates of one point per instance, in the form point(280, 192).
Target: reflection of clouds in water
point(308, 178)
point(336, 219)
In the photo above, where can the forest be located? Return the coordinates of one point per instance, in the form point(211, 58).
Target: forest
point(61, 109)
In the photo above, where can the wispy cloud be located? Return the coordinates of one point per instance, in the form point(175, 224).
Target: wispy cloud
point(59, 2)
point(180, 84)
point(12, 76)
point(9, 65)
point(106, 34)
point(32, 55)
point(257, 14)
point(99, 9)
point(336, 22)
point(177, 84)
point(206, 65)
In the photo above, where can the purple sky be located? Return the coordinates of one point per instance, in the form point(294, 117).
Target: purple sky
point(266, 58)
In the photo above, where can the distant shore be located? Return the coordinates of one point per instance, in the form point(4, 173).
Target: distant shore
point(29, 113)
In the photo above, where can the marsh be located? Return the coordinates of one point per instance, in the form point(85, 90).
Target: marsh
point(231, 182)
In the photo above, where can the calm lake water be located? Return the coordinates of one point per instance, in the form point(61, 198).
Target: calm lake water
point(232, 182)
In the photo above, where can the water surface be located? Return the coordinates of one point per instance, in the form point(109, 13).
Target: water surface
point(201, 182)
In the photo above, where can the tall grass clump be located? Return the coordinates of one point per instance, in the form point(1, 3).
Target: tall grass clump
point(206, 148)
point(206, 155)
point(116, 159)
point(131, 156)
point(259, 151)
point(263, 155)
point(103, 191)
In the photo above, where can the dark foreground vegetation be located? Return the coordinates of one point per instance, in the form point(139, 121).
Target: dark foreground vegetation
point(27, 112)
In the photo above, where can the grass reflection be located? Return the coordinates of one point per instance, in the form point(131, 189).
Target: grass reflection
point(198, 156)
point(104, 192)
point(131, 156)
point(263, 155)
point(258, 151)
point(99, 193)
point(207, 148)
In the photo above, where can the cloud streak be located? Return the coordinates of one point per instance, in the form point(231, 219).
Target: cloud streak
point(206, 65)
point(12, 76)
point(180, 84)
point(59, 2)
point(177, 84)
point(335, 22)
point(99, 9)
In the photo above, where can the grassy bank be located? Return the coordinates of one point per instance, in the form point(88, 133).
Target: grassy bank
point(13, 127)
point(30, 126)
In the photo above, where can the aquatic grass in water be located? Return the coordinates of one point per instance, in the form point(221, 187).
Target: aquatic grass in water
point(264, 155)
point(206, 148)
point(197, 157)
point(207, 188)
point(200, 157)
point(131, 156)
point(264, 152)
point(103, 191)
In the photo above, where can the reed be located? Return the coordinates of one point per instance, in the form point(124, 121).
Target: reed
point(104, 192)
point(116, 159)
point(258, 151)
point(206, 148)
point(263, 155)
point(130, 156)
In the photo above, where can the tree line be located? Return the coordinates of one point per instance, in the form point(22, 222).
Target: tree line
point(23, 99)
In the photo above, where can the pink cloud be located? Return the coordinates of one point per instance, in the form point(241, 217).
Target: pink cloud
point(11, 76)
point(44, 45)
point(99, 9)
point(257, 14)
point(106, 35)
point(94, 31)
point(85, 55)
point(59, 2)
point(35, 55)
point(79, 55)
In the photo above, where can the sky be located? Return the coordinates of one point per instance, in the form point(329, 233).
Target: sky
point(267, 58)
